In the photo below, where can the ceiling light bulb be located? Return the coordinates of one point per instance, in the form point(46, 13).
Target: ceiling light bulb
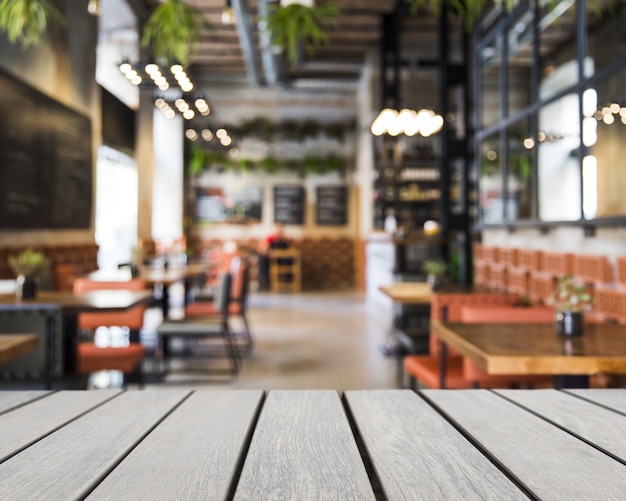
point(125, 67)
point(228, 16)
point(221, 133)
point(226, 141)
point(136, 80)
point(176, 69)
point(159, 102)
point(93, 7)
point(382, 121)
point(189, 114)
point(207, 135)
point(152, 68)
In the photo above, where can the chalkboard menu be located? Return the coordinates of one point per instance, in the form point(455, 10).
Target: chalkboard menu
point(332, 205)
point(45, 161)
point(289, 204)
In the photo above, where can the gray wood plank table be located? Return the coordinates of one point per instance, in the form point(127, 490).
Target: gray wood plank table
point(314, 444)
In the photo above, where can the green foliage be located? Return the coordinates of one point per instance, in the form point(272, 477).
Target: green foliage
point(201, 160)
point(435, 267)
point(269, 165)
point(25, 21)
point(570, 296)
point(29, 263)
point(289, 129)
point(296, 24)
point(173, 31)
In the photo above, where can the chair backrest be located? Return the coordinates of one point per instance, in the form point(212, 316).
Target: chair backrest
point(133, 318)
point(222, 294)
point(447, 307)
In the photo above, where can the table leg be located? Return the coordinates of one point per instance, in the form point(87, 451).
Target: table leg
point(443, 364)
point(70, 342)
point(571, 381)
point(165, 301)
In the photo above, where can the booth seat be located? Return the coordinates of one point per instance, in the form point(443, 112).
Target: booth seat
point(460, 372)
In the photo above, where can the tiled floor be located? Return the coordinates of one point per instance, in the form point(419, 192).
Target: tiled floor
point(309, 340)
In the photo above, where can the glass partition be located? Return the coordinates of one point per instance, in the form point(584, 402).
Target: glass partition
point(559, 173)
point(554, 149)
point(490, 83)
point(520, 149)
point(557, 45)
point(606, 34)
point(519, 63)
point(491, 196)
point(604, 137)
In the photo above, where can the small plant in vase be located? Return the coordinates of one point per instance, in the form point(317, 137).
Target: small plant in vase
point(28, 266)
point(570, 301)
point(435, 273)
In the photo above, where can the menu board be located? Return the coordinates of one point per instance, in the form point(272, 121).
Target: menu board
point(332, 205)
point(289, 204)
point(45, 161)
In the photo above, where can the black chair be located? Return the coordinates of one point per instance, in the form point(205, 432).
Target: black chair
point(206, 327)
point(238, 307)
point(46, 361)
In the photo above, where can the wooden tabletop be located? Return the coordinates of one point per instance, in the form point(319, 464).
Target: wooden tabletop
point(537, 348)
point(408, 292)
point(14, 345)
point(154, 275)
point(248, 445)
point(70, 303)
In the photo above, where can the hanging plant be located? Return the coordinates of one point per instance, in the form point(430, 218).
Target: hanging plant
point(269, 165)
point(296, 24)
point(173, 30)
point(25, 21)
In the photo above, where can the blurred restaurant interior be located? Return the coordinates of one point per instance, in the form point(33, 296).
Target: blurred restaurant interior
point(492, 143)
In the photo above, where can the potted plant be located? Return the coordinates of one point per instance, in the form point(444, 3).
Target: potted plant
point(570, 300)
point(295, 22)
point(173, 30)
point(25, 21)
point(28, 266)
point(435, 273)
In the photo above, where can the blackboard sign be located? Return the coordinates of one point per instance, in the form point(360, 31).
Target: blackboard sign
point(45, 161)
point(332, 205)
point(289, 204)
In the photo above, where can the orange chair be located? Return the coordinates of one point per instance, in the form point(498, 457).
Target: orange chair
point(238, 304)
point(127, 359)
point(444, 306)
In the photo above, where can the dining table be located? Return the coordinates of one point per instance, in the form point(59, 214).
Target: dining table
point(537, 349)
point(71, 305)
point(159, 276)
point(14, 345)
point(313, 444)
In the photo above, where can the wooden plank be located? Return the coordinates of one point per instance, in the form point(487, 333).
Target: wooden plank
point(303, 448)
point(12, 399)
point(550, 462)
point(194, 454)
point(69, 463)
point(417, 454)
point(14, 345)
point(601, 427)
point(612, 398)
point(25, 425)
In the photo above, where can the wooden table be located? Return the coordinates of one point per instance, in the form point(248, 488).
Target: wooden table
point(537, 349)
point(72, 305)
point(158, 276)
point(14, 345)
point(408, 292)
point(365, 445)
